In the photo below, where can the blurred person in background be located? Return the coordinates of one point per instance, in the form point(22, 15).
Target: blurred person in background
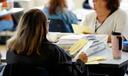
point(86, 4)
point(6, 21)
point(57, 9)
point(107, 18)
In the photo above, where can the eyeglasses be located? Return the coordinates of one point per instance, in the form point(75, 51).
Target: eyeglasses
point(48, 21)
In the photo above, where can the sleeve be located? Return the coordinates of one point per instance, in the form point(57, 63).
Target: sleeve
point(71, 17)
point(61, 55)
point(84, 21)
point(87, 19)
point(88, 23)
point(125, 30)
point(121, 22)
point(10, 57)
point(66, 67)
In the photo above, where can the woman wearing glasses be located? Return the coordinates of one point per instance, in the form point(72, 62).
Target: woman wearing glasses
point(29, 47)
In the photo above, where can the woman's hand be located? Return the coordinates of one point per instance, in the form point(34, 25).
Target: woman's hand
point(83, 57)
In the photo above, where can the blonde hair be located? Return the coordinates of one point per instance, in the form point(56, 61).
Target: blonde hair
point(32, 29)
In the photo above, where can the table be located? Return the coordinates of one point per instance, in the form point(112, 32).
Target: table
point(13, 10)
point(107, 53)
point(110, 66)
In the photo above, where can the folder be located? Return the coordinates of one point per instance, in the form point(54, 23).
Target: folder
point(79, 29)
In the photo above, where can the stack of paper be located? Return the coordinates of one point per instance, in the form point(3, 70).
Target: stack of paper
point(70, 39)
point(55, 36)
point(85, 47)
point(97, 46)
point(77, 46)
point(67, 41)
point(102, 38)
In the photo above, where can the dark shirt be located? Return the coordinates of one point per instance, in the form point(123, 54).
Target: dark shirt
point(53, 58)
point(50, 54)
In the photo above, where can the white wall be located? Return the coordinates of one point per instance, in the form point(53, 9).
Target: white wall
point(124, 5)
point(28, 4)
point(39, 2)
point(72, 4)
point(78, 4)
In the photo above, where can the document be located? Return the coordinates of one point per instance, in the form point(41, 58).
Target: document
point(79, 29)
point(95, 59)
point(76, 44)
point(78, 47)
point(96, 47)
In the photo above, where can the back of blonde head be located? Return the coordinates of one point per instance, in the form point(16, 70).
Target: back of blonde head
point(32, 29)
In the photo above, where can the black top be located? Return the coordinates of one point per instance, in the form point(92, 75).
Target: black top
point(52, 60)
point(50, 54)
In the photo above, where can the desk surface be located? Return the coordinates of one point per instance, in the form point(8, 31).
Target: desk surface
point(14, 10)
point(107, 53)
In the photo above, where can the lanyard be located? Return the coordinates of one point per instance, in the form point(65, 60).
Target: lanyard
point(96, 22)
point(96, 25)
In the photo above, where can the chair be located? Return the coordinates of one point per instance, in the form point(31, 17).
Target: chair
point(58, 25)
point(24, 70)
point(17, 5)
point(86, 4)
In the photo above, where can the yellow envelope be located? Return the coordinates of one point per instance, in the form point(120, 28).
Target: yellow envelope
point(96, 58)
point(79, 29)
point(77, 46)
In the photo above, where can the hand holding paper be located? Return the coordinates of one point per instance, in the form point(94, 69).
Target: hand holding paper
point(83, 57)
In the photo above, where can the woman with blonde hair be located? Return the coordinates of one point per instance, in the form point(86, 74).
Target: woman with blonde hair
point(30, 46)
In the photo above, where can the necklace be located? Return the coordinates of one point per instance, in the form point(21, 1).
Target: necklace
point(98, 26)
